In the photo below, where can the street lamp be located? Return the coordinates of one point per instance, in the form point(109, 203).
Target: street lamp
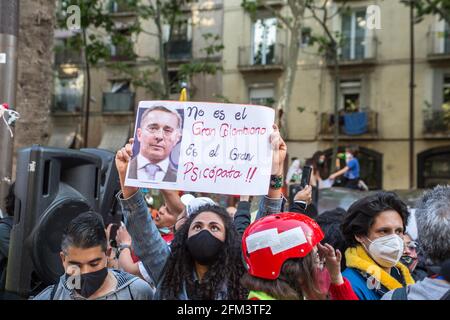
point(9, 30)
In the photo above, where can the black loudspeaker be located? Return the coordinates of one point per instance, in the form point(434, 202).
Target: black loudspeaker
point(109, 186)
point(53, 186)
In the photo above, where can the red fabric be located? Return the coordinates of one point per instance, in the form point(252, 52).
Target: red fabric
point(343, 291)
point(168, 237)
point(134, 257)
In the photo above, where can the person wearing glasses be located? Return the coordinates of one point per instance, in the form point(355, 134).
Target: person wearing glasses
point(410, 258)
point(158, 134)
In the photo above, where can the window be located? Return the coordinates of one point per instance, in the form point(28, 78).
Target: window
point(120, 86)
point(122, 46)
point(180, 30)
point(264, 40)
point(262, 96)
point(306, 37)
point(174, 82)
point(433, 167)
point(120, 98)
point(179, 46)
point(350, 95)
point(370, 164)
point(446, 38)
point(354, 35)
point(441, 38)
point(65, 52)
point(68, 96)
point(116, 6)
point(446, 92)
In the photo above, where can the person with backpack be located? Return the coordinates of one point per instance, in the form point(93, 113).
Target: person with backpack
point(433, 223)
point(6, 224)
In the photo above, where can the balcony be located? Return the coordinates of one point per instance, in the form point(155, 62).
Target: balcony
point(118, 102)
point(123, 52)
point(352, 126)
point(436, 123)
point(357, 51)
point(178, 50)
point(272, 58)
point(67, 56)
point(120, 8)
point(438, 46)
point(67, 102)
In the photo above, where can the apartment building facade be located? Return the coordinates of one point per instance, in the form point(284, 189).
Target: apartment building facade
point(374, 72)
point(374, 85)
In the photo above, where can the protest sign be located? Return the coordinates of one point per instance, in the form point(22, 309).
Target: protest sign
point(202, 147)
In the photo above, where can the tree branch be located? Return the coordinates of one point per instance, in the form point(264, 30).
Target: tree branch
point(278, 16)
point(149, 33)
point(444, 14)
point(322, 22)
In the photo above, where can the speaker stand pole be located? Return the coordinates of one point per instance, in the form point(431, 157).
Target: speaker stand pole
point(9, 30)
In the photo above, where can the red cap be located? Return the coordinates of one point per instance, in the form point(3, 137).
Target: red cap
point(5, 105)
point(269, 242)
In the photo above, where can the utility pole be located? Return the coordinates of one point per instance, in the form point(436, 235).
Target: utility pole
point(412, 86)
point(9, 31)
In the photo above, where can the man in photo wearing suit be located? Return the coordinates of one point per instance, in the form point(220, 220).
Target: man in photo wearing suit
point(159, 132)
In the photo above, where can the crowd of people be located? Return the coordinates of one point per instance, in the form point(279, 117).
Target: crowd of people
point(194, 249)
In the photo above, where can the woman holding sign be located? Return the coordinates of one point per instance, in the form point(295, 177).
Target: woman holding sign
point(204, 260)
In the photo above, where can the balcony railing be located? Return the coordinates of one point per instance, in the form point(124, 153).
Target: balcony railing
point(67, 56)
point(178, 49)
point(357, 50)
point(67, 102)
point(438, 44)
point(436, 121)
point(119, 6)
point(350, 124)
point(118, 102)
point(268, 57)
point(122, 52)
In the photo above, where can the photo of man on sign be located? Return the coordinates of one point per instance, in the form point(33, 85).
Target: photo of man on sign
point(159, 132)
point(200, 146)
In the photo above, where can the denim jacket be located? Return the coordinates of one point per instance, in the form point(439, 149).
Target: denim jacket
point(149, 246)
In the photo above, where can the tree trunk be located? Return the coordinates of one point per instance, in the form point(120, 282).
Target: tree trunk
point(35, 71)
point(162, 54)
point(289, 77)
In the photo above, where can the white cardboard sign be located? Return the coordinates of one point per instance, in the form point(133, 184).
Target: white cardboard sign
point(202, 147)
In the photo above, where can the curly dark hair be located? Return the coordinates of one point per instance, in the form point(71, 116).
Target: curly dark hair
point(229, 266)
point(362, 213)
point(330, 223)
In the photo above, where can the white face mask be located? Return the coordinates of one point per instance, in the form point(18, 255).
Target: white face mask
point(387, 250)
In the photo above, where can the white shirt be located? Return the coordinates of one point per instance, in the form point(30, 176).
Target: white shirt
point(142, 174)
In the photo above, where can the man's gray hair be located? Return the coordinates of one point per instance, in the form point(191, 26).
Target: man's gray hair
point(164, 109)
point(433, 223)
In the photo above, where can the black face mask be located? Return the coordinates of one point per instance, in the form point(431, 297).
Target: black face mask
point(204, 247)
point(90, 282)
